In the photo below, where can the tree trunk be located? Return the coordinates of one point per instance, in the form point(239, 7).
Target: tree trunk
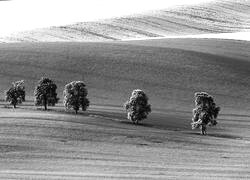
point(14, 105)
point(45, 103)
point(76, 111)
point(203, 130)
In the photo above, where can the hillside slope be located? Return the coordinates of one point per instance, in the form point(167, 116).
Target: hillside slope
point(101, 143)
point(49, 145)
point(170, 76)
point(222, 16)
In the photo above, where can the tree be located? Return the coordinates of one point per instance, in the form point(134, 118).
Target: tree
point(75, 96)
point(45, 93)
point(205, 112)
point(15, 94)
point(137, 106)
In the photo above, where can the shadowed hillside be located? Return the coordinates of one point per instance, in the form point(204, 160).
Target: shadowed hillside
point(222, 16)
point(170, 76)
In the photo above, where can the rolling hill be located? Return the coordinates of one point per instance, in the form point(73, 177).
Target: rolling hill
point(101, 143)
point(54, 145)
point(222, 16)
point(170, 71)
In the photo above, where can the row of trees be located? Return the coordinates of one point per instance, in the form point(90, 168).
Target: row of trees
point(137, 107)
point(75, 94)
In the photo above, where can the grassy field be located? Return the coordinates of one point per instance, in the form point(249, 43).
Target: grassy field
point(101, 143)
point(54, 145)
point(169, 75)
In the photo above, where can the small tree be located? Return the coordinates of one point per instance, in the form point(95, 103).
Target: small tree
point(205, 112)
point(45, 93)
point(137, 106)
point(75, 96)
point(15, 94)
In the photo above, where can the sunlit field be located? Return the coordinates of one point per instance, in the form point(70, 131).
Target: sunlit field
point(222, 16)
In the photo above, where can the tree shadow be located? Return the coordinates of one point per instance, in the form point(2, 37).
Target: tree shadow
point(226, 136)
point(139, 124)
point(5, 106)
point(42, 109)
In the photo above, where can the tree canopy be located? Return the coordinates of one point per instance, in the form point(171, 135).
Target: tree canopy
point(45, 93)
point(75, 96)
point(137, 106)
point(205, 111)
point(16, 93)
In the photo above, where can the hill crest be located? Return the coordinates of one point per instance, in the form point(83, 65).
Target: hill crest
point(223, 16)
